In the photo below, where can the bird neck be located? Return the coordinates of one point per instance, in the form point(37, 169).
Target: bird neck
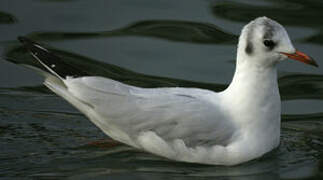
point(253, 101)
point(251, 77)
point(253, 84)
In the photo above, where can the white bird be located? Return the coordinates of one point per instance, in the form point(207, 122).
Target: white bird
point(236, 125)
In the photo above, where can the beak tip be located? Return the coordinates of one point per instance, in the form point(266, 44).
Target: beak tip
point(314, 64)
point(302, 57)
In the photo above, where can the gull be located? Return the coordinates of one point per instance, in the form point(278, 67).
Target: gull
point(193, 125)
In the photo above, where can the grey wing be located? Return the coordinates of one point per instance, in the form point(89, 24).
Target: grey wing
point(172, 113)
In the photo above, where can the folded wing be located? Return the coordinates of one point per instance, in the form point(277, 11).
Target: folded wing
point(172, 113)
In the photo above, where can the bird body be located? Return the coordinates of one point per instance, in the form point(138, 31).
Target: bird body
point(236, 125)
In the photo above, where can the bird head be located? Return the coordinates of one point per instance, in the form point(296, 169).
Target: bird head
point(264, 42)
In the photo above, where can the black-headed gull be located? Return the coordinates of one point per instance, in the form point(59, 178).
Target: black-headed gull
point(236, 125)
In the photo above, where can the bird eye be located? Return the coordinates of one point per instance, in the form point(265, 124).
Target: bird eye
point(269, 43)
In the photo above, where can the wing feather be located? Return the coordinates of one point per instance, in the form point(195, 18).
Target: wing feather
point(172, 113)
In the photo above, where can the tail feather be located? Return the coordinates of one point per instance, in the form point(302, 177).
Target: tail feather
point(53, 63)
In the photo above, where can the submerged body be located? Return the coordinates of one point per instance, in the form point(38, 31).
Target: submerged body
point(188, 124)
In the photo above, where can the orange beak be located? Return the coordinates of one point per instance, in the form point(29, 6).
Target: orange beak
point(302, 57)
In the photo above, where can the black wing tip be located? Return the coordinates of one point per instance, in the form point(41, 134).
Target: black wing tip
point(26, 41)
point(32, 46)
point(22, 39)
point(50, 60)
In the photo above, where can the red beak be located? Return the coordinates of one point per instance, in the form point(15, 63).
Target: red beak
point(302, 57)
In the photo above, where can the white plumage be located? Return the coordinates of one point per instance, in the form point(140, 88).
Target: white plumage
point(190, 124)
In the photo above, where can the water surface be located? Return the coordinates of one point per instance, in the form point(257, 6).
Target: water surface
point(146, 43)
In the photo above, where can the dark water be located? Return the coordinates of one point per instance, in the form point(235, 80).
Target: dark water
point(188, 43)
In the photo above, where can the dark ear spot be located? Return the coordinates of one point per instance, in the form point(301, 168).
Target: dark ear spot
point(249, 48)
